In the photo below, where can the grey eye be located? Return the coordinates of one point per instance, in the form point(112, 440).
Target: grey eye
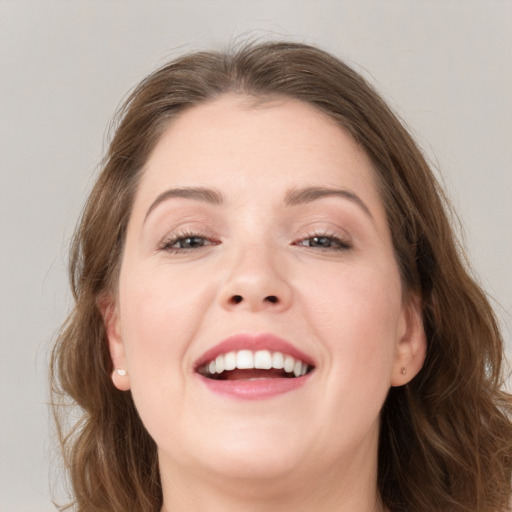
point(320, 241)
point(190, 242)
point(325, 242)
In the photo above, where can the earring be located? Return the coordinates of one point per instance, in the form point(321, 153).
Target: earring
point(403, 370)
point(121, 372)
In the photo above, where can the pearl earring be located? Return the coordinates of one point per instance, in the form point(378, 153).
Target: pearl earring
point(120, 372)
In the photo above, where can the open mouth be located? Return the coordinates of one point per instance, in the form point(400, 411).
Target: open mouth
point(254, 365)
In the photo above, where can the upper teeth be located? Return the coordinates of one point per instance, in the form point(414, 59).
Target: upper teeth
point(260, 359)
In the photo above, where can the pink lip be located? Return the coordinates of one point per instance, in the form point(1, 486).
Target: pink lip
point(258, 389)
point(254, 389)
point(253, 342)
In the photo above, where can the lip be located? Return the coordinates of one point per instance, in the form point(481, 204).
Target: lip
point(257, 389)
point(260, 389)
point(253, 342)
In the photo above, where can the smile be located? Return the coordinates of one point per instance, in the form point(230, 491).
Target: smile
point(252, 367)
point(248, 364)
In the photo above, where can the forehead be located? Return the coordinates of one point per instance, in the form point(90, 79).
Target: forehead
point(238, 146)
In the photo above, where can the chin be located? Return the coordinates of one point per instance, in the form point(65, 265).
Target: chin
point(256, 463)
point(244, 452)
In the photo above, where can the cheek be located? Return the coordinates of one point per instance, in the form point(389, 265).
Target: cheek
point(356, 313)
point(355, 316)
point(160, 314)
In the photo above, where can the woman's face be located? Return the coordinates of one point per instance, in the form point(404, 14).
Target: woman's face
point(258, 238)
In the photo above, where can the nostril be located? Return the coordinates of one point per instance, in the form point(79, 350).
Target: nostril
point(237, 299)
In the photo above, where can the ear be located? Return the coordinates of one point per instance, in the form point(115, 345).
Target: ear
point(412, 343)
point(109, 312)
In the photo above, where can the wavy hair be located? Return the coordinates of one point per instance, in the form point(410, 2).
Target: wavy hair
point(445, 437)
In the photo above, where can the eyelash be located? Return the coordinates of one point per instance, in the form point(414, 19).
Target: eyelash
point(340, 244)
point(337, 243)
point(168, 243)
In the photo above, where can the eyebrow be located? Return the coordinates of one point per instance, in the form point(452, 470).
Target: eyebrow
point(297, 197)
point(206, 195)
point(294, 197)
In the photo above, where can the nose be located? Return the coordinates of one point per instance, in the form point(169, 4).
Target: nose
point(256, 282)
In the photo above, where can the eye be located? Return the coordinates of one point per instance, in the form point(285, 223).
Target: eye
point(189, 242)
point(325, 242)
point(186, 242)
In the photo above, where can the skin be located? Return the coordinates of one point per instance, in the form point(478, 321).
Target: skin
point(314, 448)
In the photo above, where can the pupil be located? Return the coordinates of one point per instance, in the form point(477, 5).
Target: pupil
point(321, 241)
point(192, 241)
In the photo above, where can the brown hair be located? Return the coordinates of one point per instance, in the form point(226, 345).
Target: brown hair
point(446, 437)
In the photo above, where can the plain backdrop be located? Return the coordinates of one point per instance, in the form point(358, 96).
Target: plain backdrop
point(444, 65)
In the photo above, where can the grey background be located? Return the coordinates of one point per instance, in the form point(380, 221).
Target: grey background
point(444, 65)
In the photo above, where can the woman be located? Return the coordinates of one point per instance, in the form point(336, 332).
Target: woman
point(271, 309)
